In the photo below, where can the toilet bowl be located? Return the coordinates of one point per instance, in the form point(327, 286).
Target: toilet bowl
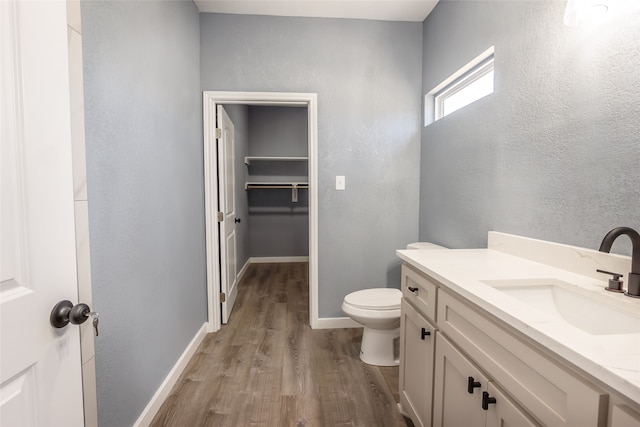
point(378, 310)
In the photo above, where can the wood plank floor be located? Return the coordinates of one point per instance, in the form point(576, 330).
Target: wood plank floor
point(267, 367)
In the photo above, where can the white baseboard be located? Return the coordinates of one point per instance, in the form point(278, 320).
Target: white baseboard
point(163, 391)
point(243, 270)
point(274, 259)
point(336, 323)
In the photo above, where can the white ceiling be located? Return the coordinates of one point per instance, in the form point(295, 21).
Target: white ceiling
point(384, 10)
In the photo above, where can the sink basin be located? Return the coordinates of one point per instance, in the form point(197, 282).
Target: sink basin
point(586, 310)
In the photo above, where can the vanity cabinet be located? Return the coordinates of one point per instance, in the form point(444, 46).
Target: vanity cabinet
point(458, 388)
point(464, 396)
point(417, 350)
point(545, 388)
point(623, 416)
point(417, 345)
point(470, 354)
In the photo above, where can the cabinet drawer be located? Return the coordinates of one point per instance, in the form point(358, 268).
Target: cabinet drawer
point(548, 390)
point(419, 291)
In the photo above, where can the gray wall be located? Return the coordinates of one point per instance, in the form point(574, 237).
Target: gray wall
point(145, 180)
point(239, 115)
point(554, 153)
point(278, 227)
point(367, 75)
point(278, 131)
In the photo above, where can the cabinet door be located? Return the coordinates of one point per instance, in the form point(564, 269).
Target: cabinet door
point(503, 412)
point(623, 416)
point(458, 387)
point(417, 345)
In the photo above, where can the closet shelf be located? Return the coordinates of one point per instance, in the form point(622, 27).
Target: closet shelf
point(249, 159)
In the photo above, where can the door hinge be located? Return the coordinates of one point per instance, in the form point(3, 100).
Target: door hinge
point(223, 297)
point(218, 133)
point(220, 217)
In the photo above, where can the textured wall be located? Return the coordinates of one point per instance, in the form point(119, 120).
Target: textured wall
point(554, 153)
point(239, 115)
point(367, 77)
point(145, 182)
point(278, 131)
point(278, 226)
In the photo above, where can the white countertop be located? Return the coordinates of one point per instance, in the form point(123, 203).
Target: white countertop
point(612, 359)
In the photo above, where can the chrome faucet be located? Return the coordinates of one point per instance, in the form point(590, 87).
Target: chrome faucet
point(633, 284)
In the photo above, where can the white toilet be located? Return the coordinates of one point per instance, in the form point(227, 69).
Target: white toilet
point(378, 309)
point(424, 245)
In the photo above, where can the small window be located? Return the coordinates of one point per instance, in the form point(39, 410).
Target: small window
point(468, 84)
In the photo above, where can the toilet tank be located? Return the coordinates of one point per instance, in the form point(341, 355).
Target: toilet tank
point(424, 245)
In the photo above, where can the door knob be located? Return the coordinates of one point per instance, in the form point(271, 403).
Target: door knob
point(79, 313)
point(65, 312)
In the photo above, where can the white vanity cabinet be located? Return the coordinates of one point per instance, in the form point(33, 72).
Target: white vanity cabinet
point(505, 412)
point(544, 388)
point(469, 353)
point(417, 345)
point(417, 350)
point(464, 396)
point(458, 388)
point(623, 416)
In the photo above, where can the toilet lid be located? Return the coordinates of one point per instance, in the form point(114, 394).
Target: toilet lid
point(375, 299)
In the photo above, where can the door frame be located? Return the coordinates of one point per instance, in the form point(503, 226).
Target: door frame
point(283, 99)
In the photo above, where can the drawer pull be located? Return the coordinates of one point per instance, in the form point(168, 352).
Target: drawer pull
point(471, 384)
point(414, 290)
point(486, 400)
point(424, 333)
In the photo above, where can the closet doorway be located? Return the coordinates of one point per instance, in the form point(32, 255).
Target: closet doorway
point(218, 276)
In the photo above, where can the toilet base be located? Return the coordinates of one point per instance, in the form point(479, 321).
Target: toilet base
point(378, 347)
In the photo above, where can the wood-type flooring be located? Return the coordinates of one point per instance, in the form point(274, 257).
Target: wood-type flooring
point(267, 367)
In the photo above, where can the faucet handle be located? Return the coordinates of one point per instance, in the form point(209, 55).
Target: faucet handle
point(615, 284)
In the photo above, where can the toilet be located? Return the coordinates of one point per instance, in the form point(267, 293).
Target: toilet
point(378, 310)
point(424, 245)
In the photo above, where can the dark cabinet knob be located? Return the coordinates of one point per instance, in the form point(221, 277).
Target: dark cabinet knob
point(471, 384)
point(237, 220)
point(414, 290)
point(424, 333)
point(487, 400)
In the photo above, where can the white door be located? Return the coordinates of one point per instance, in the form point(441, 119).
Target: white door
point(227, 205)
point(40, 372)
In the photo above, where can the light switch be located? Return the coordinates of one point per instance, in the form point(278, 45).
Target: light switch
point(340, 183)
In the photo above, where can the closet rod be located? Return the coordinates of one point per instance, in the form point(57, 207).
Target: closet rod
point(293, 186)
point(275, 186)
